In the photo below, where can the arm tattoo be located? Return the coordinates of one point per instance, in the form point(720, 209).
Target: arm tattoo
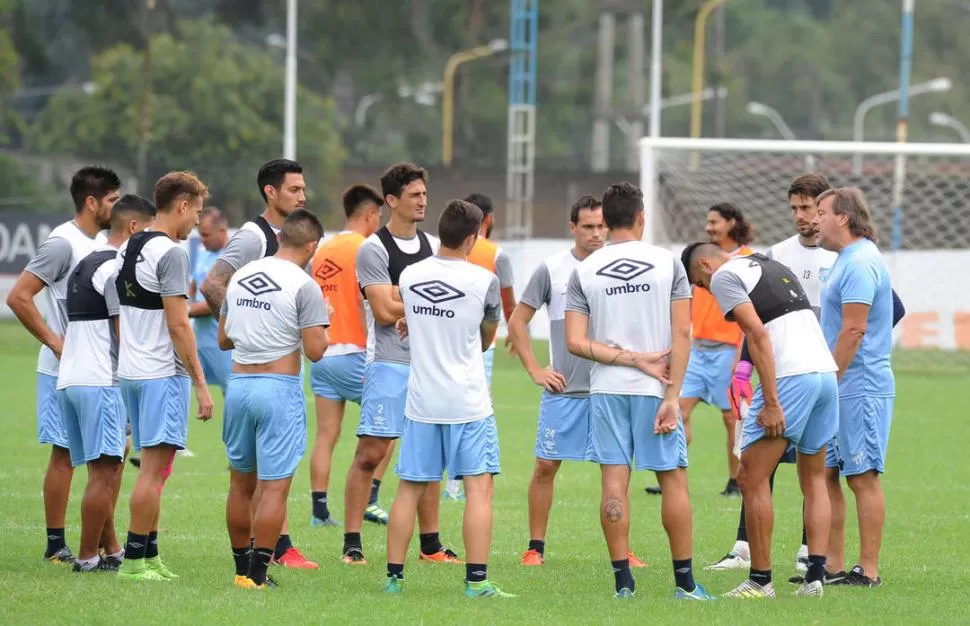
point(617, 357)
point(613, 510)
point(214, 286)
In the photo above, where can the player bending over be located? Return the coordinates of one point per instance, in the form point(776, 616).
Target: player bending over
point(272, 308)
point(452, 309)
point(627, 308)
point(796, 400)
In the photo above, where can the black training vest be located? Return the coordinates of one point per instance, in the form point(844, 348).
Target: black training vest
point(130, 293)
point(398, 260)
point(84, 303)
point(777, 293)
point(272, 239)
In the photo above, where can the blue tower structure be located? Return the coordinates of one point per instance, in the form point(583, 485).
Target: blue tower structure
point(524, 26)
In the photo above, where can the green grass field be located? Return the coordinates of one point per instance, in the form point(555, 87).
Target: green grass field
point(925, 559)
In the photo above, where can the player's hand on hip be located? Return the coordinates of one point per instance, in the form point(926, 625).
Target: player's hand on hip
point(740, 387)
point(550, 379)
point(655, 364)
point(402, 328)
point(204, 398)
point(772, 419)
point(667, 417)
point(57, 347)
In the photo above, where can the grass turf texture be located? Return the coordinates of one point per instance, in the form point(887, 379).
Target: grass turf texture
point(925, 554)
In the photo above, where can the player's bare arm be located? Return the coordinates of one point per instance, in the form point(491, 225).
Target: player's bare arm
point(225, 343)
point(197, 309)
point(215, 284)
point(855, 320)
point(518, 324)
point(180, 329)
point(385, 308)
point(508, 308)
point(315, 342)
point(21, 302)
point(488, 330)
point(580, 344)
point(763, 357)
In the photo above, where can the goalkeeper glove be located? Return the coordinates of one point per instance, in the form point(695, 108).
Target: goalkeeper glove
point(740, 387)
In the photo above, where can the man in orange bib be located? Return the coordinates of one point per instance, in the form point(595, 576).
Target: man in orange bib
point(339, 376)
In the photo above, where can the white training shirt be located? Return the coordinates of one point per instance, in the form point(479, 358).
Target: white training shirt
point(626, 289)
point(90, 355)
point(146, 351)
point(796, 338)
point(445, 302)
point(268, 302)
point(810, 264)
point(53, 263)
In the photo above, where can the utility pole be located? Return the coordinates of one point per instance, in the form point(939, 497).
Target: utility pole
point(720, 121)
point(144, 113)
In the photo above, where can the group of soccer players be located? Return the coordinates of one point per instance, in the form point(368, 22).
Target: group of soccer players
point(403, 324)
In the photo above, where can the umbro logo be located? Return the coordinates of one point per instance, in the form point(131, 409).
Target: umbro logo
point(259, 284)
point(436, 291)
point(328, 270)
point(624, 269)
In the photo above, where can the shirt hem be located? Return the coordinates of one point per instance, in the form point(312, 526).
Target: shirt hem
point(449, 422)
point(151, 376)
point(625, 392)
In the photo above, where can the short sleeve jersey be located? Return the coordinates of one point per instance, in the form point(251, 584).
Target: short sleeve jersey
point(246, 245)
point(373, 268)
point(626, 290)
point(146, 350)
point(53, 263)
point(796, 337)
point(547, 287)
point(268, 302)
point(445, 302)
point(810, 264)
point(860, 276)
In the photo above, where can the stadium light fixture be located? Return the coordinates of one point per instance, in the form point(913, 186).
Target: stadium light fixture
point(941, 84)
point(938, 118)
point(757, 108)
point(448, 90)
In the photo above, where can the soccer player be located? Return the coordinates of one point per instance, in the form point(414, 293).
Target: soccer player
point(857, 320)
point(214, 235)
point(283, 189)
point(94, 191)
point(451, 312)
point(90, 400)
point(716, 342)
point(493, 258)
point(627, 309)
point(272, 308)
point(809, 263)
point(796, 400)
point(380, 260)
point(338, 377)
point(157, 359)
point(563, 432)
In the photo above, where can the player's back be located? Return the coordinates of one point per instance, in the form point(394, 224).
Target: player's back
point(90, 352)
point(265, 306)
point(709, 328)
point(151, 266)
point(484, 254)
point(809, 264)
point(334, 269)
point(445, 302)
point(628, 288)
point(860, 275)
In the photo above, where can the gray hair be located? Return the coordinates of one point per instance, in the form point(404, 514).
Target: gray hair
point(850, 202)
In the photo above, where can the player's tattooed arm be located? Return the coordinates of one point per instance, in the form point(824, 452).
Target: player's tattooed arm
point(215, 284)
point(613, 510)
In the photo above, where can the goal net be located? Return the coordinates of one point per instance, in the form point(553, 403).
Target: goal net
point(918, 194)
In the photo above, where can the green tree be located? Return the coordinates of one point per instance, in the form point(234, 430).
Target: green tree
point(217, 109)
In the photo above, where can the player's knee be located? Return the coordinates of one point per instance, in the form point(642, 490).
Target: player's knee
point(369, 454)
point(546, 469)
point(861, 483)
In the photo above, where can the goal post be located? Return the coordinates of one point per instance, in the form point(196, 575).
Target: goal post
point(918, 194)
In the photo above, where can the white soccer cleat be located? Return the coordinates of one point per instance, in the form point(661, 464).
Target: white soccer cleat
point(751, 590)
point(185, 452)
point(813, 589)
point(729, 562)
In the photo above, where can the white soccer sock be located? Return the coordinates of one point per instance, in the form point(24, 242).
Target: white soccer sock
point(802, 552)
point(89, 564)
point(453, 487)
point(120, 554)
point(742, 550)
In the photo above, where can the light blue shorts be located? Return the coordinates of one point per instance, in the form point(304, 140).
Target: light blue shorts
point(708, 376)
point(158, 410)
point(339, 377)
point(50, 423)
point(429, 450)
point(216, 364)
point(564, 432)
point(623, 434)
point(864, 425)
point(811, 406)
point(489, 357)
point(95, 421)
point(384, 397)
point(265, 425)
